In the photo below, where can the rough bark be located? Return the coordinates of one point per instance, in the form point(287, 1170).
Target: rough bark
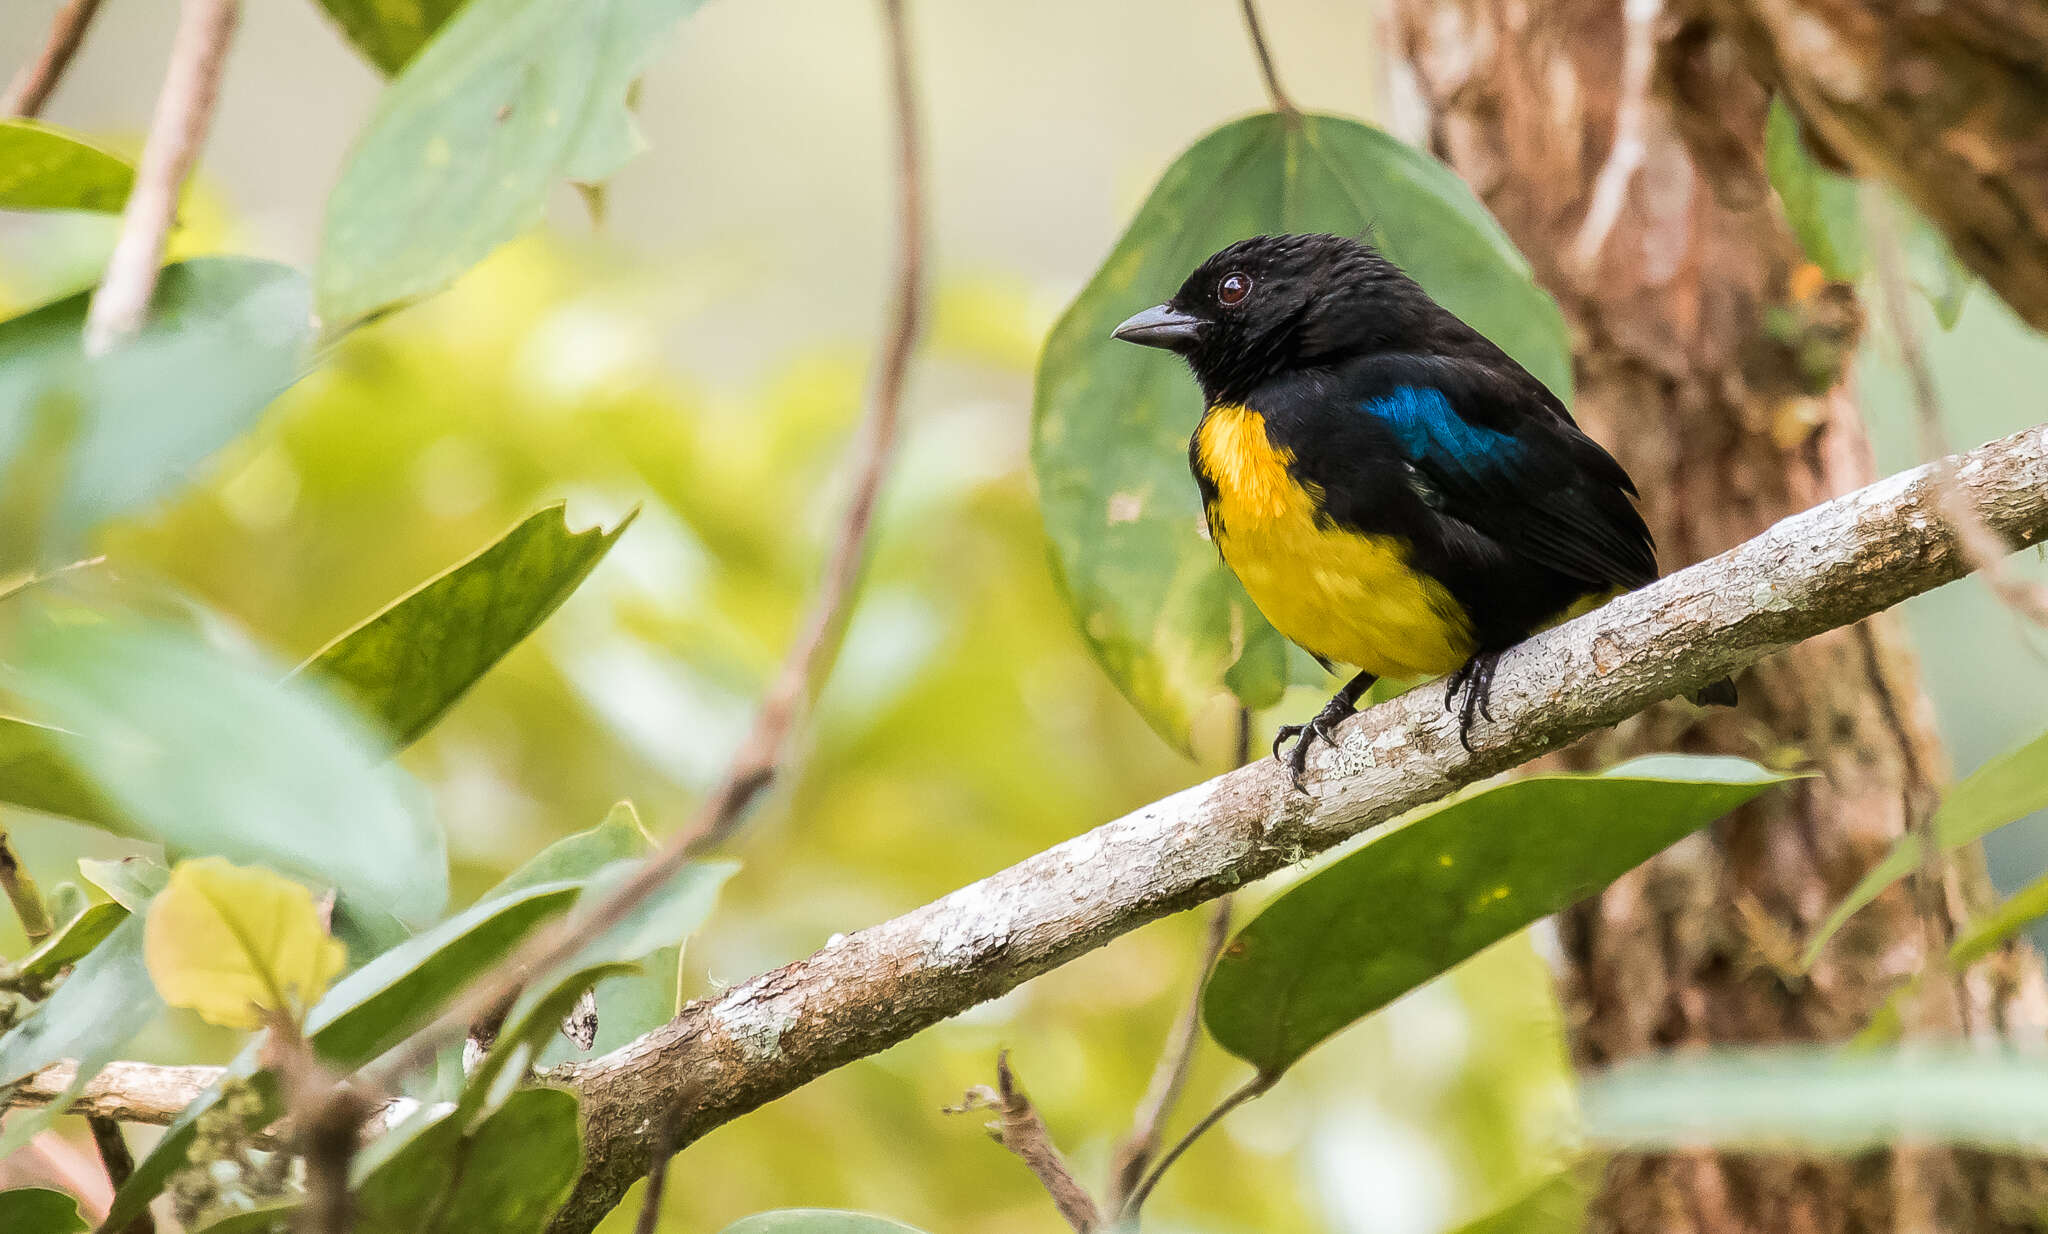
point(1947, 101)
point(1711, 359)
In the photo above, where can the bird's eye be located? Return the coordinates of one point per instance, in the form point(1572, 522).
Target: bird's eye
point(1233, 289)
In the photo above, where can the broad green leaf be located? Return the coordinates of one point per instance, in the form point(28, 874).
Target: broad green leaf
point(129, 882)
point(373, 1008)
point(82, 440)
point(1822, 206)
point(1110, 421)
point(619, 837)
point(209, 754)
point(365, 1014)
point(34, 776)
point(38, 1210)
point(507, 1175)
point(816, 1221)
point(234, 942)
point(105, 1001)
point(408, 664)
point(1821, 1100)
point(509, 97)
point(663, 919)
point(627, 1005)
point(1932, 265)
point(1557, 1205)
point(2005, 789)
point(389, 34)
point(45, 168)
point(1455, 878)
point(71, 943)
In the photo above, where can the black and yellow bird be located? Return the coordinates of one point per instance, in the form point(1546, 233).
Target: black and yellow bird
point(1394, 492)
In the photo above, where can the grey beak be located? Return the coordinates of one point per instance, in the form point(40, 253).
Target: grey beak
point(1161, 326)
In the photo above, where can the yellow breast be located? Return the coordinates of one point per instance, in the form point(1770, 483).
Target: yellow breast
point(1346, 597)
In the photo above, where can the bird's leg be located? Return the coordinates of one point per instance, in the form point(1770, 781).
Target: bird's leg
point(1475, 678)
point(1342, 705)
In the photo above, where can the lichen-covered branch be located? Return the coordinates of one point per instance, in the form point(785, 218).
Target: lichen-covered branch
point(861, 993)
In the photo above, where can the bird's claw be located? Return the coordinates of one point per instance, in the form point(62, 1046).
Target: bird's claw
point(1475, 678)
point(1322, 728)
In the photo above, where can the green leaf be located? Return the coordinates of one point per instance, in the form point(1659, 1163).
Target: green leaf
point(618, 837)
point(509, 97)
point(2006, 788)
point(38, 1210)
point(508, 1175)
point(816, 1221)
point(71, 943)
point(1821, 1100)
point(1822, 206)
point(2020, 910)
point(130, 882)
point(46, 168)
point(210, 755)
point(1557, 1205)
point(1455, 878)
point(389, 34)
point(83, 440)
point(663, 919)
point(408, 664)
point(373, 1008)
point(234, 942)
point(1111, 421)
point(34, 776)
point(105, 1001)
point(1932, 265)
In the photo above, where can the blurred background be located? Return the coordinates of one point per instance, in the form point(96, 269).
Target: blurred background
point(703, 354)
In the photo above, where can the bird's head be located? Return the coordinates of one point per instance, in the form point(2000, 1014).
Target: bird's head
point(1271, 304)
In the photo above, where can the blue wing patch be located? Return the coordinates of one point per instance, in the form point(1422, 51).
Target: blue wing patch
point(1429, 431)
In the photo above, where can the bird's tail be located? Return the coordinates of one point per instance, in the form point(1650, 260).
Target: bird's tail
point(1719, 694)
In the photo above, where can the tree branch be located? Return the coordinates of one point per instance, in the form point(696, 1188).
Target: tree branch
point(1018, 1128)
point(184, 111)
point(31, 87)
point(1170, 1076)
point(861, 993)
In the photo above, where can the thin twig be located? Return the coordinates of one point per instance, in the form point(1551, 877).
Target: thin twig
point(1281, 102)
point(1981, 547)
point(1170, 1075)
point(1251, 1088)
point(120, 1164)
point(783, 709)
point(1631, 123)
point(660, 1153)
point(1177, 1057)
point(1019, 1128)
point(32, 86)
point(23, 893)
point(184, 110)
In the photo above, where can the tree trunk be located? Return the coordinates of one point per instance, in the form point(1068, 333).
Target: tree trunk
point(1623, 152)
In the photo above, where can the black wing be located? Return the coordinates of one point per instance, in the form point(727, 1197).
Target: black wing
point(1504, 457)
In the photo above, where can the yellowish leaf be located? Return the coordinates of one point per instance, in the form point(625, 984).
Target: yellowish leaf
point(232, 942)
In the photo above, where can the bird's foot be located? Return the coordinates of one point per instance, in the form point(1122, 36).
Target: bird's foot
point(1304, 736)
point(1475, 678)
